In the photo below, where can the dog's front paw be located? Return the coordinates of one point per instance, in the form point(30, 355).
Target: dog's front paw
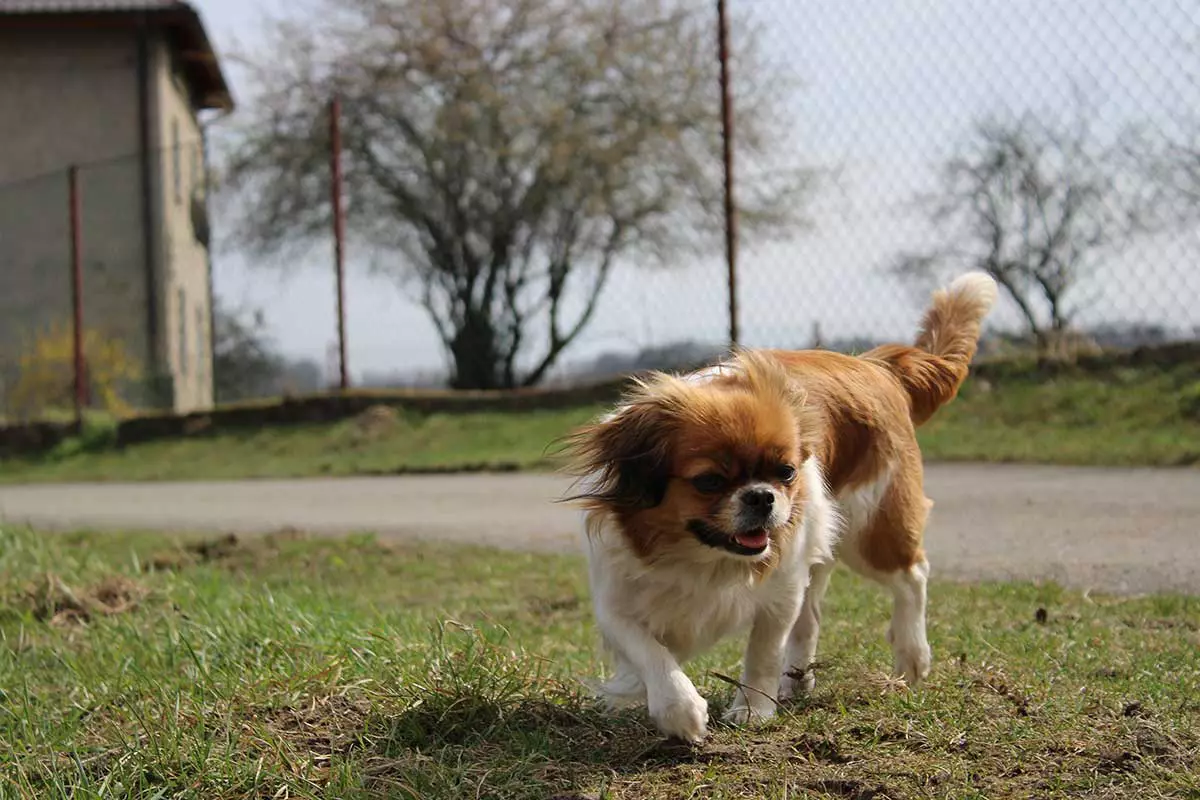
point(681, 713)
point(741, 714)
point(912, 662)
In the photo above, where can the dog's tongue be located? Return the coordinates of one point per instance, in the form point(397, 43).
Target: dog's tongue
point(752, 539)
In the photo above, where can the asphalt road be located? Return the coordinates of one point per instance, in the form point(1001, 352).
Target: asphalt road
point(1123, 531)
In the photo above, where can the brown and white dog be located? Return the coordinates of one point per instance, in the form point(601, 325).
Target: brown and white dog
point(716, 503)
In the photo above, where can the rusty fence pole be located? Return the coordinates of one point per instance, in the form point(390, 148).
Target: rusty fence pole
point(80, 367)
point(339, 232)
point(731, 228)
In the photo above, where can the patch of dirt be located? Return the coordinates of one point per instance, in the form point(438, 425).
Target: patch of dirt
point(375, 423)
point(1134, 709)
point(545, 608)
point(228, 549)
point(879, 732)
point(1109, 673)
point(857, 790)
point(1161, 624)
point(326, 725)
point(1112, 762)
point(994, 680)
point(215, 549)
point(822, 748)
point(53, 601)
point(1176, 749)
point(168, 561)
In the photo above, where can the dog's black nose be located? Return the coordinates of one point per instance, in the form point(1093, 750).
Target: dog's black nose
point(760, 499)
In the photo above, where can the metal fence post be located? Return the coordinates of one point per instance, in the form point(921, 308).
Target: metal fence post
point(80, 367)
point(339, 233)
point(727, 148)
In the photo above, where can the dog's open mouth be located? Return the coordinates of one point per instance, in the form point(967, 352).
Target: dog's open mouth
point(746, 543)
point(753, 540)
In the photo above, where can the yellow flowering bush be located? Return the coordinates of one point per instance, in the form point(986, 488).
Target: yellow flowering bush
point(45, 381)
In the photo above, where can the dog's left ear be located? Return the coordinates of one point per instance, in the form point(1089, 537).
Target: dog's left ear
point(625, 458)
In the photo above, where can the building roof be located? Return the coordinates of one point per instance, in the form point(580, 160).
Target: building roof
point(59, 6)
point(182, 23)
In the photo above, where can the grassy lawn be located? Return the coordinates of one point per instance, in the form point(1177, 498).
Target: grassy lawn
point(137, 667)
point(1129, 416)
point(1126, 416)
point(406, 441)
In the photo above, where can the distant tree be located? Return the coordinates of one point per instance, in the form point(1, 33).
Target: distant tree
point(1182, 169)
point(300, 375)
point(246, 363)
point(1169, 163)
point(1037, 206)
point(1165, 151)
point(501, 157)
point(1129, 335)
point(243, 358)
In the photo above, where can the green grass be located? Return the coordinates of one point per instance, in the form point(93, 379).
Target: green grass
point(1120, 416)
point(1126, 416)
point(131, 667)
point(408, 441)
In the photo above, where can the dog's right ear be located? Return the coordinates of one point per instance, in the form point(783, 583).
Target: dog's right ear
point(624, 458)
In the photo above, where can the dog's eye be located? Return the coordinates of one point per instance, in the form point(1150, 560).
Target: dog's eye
point(708, 483)
point(786, 473)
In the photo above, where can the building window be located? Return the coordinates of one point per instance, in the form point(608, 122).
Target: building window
point(202, 359)
point(176, 162)
point(198, 169)
point(183, 339)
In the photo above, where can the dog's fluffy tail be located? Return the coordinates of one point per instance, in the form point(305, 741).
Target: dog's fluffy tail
point(933, 370)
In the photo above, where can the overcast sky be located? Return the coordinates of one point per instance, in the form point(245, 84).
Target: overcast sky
point(889, 89)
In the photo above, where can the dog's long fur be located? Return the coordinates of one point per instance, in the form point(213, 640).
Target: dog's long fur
point(717, 502)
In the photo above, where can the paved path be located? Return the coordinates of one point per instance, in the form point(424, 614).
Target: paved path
point(1111, 530)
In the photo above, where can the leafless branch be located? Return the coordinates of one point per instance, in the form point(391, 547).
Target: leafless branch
point(1035, 204)
point(507, 156)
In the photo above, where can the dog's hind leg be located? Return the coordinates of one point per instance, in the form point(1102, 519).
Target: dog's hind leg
point(887, 549)
point(906, 634)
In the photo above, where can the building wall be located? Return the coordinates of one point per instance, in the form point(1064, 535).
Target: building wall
point(185, 276)
point(70, 97)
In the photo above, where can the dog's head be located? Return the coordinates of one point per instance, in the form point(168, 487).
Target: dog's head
point(702, 469)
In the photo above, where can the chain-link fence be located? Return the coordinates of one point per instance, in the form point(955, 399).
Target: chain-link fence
point(104, 297)
point(35, 301)
point(1033, 140)
point(1055, 145)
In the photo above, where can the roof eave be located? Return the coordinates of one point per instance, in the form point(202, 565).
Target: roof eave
point(209, 87)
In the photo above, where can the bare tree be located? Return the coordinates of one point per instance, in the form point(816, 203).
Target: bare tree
point(1037, 206)
point(1169, 164)
point(248, 364)
point(502, 157)
point(1182, 170)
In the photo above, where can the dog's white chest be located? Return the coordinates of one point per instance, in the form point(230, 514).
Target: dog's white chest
point(686, 607)
point(689, 617)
